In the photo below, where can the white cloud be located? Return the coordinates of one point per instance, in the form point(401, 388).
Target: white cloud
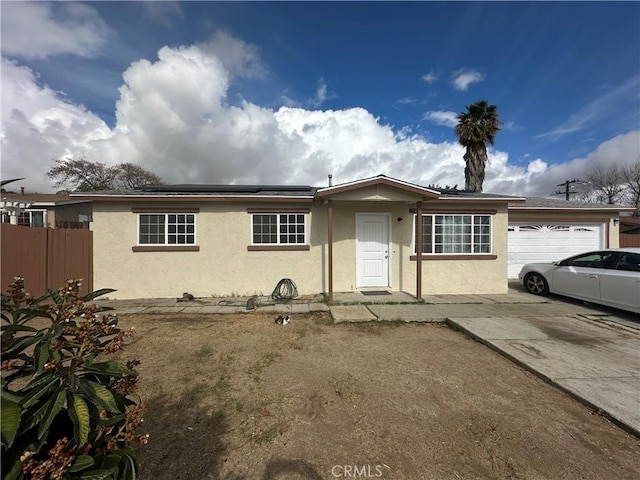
point(71, 28)
point(430, 77)
point(321, 95)
point(511, 126)
point(464, 77)
point(441, 117)
point(406, 101)
point(238, 57)
point(174, 118)
point(541, 179)
point(38, 125)
point(601, 109)
point(287, 101)
point(162, 13)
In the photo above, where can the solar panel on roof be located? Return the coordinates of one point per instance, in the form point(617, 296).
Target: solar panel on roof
point(195, 188)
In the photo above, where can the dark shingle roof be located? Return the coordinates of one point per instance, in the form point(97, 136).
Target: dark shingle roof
point(541, 202)
point(465, 194)
point(203, 189)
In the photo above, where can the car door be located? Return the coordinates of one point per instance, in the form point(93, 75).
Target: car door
point(579, 276)
point(620, 286)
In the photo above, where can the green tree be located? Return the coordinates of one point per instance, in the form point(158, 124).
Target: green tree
point(476, 128)
point(69, 409)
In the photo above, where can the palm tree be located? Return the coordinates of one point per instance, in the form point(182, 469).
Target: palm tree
point(477, 127)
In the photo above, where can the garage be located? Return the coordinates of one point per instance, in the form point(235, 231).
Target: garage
point(545, 242)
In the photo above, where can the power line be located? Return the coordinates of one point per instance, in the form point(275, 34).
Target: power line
point(567, 188)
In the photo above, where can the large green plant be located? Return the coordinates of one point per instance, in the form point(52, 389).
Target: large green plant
point(67, 410)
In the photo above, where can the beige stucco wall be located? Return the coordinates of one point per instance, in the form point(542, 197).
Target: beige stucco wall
point(466, 276)
point(611, 230)
point(377, 193)
point(438, 276)
point(223, 266)
point(344, 235)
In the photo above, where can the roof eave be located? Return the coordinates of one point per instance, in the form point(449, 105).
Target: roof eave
point(379, 180)
point(575, 209)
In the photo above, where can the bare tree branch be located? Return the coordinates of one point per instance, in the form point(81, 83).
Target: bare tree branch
point(606, 185)
point(84, 176)
point(134, 176)
point(631, 177)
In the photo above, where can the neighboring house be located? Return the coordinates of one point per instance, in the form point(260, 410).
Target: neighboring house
point(630, 225)
point(629, 231)
point(547, 229)
point(44, 209)
point(242, 239)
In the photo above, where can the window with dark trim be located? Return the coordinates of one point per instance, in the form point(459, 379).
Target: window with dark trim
point(166, 229)
point(455, 234)
point(278, 229)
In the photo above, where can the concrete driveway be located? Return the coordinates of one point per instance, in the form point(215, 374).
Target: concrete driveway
point(590, 352)
point(594, 361)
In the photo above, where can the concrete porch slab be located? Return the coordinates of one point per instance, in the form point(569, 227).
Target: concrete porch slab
point(125, 311)
point(351, 313)
point(164, 309)
point(453, 299)
point(340, 298)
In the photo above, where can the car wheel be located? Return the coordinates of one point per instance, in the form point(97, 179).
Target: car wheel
point(536, 284)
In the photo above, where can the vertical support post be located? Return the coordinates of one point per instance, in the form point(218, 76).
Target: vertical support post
point(419, 250)
point(330, 247)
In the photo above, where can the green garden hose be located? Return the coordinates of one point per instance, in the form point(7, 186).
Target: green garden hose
point(285, 290)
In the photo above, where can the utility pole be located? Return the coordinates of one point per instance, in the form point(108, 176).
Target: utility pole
point(567, 188)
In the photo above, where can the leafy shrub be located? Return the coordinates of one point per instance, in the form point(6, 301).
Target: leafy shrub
point(67, 411)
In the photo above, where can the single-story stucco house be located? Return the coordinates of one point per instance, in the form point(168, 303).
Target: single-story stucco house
point(218, 240)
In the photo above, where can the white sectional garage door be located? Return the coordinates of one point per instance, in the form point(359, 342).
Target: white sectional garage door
point(531, 243)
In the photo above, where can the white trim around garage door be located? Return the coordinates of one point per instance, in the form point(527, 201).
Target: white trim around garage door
point(533, 242)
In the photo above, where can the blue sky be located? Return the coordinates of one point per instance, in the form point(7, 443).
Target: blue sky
point(372, 87)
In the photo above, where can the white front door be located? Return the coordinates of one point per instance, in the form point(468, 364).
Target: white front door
point(372, 250)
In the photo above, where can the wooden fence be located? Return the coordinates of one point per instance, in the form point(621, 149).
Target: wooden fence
point(629, 240)
point(67, 224)
point(46, 257)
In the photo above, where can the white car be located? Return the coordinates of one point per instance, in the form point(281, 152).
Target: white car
point(609, 277)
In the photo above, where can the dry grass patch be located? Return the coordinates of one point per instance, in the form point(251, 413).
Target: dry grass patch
point(238, 397)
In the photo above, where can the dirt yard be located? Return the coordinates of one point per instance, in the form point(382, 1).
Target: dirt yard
point(238, 397)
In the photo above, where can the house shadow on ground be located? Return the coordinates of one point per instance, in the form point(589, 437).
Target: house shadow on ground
point(281, 469)
point(185, 442)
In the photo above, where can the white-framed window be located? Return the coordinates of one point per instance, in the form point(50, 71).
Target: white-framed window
point(166, 229)
point(455, 234)
point(278, 228)
point(33, 218)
